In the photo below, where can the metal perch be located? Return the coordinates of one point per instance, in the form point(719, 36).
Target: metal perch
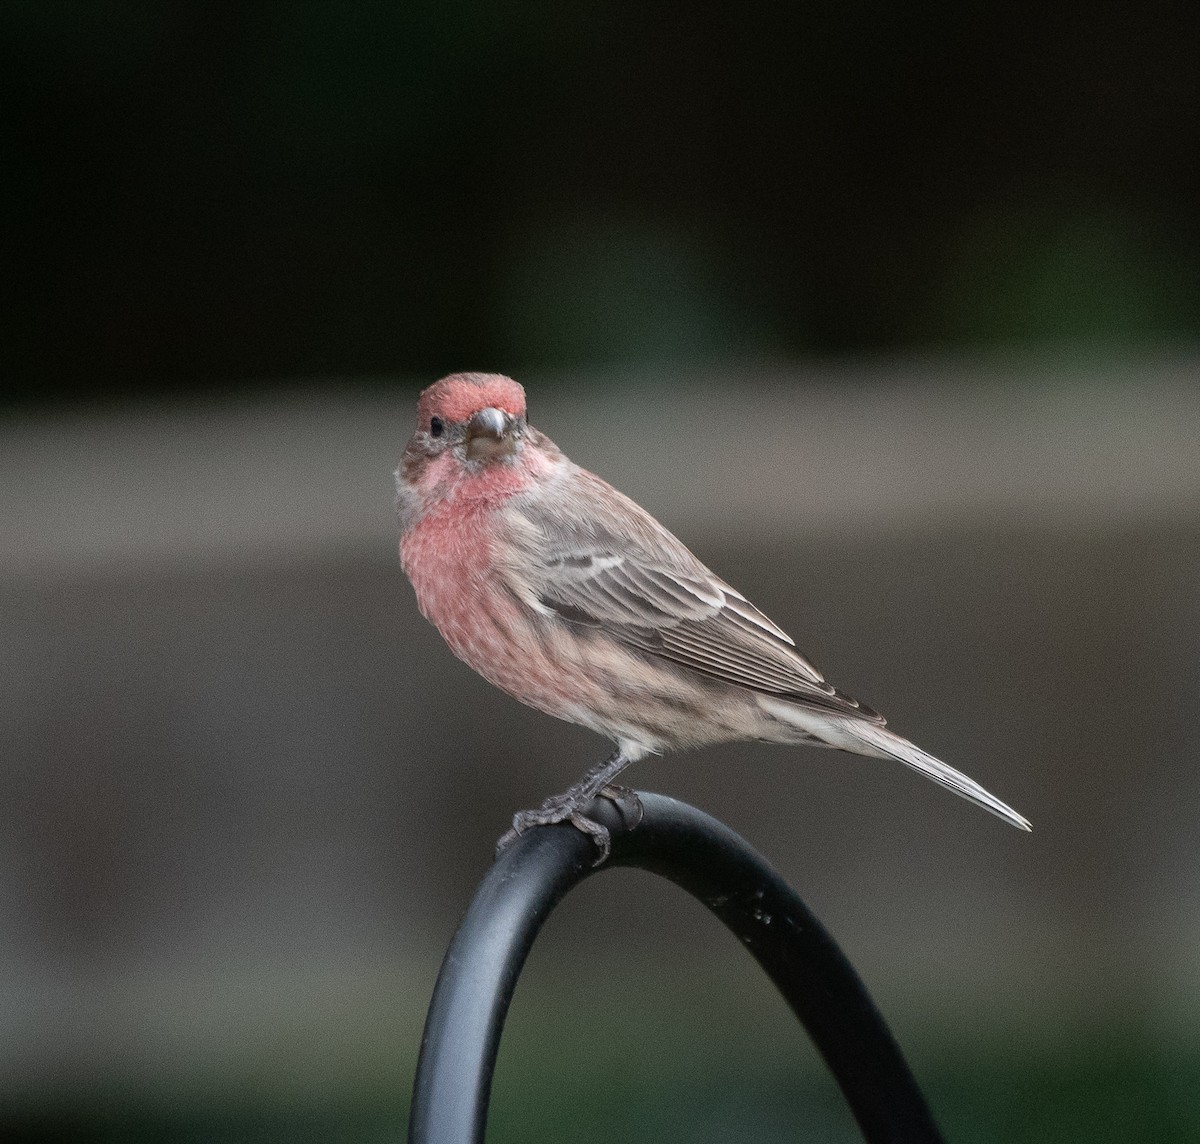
point(714, 865)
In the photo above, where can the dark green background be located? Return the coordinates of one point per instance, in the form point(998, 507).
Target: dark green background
point(204, 199)
point(201, 194)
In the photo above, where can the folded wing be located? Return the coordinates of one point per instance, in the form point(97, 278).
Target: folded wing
point(613, 568)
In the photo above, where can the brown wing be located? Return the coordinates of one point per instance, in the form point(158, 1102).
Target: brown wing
point(610, 566)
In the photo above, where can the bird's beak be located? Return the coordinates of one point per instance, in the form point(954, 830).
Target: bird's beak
point(490, 435)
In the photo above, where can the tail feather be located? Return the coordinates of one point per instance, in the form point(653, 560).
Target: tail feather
point(881, 742)
point(864, 738)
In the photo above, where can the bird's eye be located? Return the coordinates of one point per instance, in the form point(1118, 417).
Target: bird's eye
point(436, 426)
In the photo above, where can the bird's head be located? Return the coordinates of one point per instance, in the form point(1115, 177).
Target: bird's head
point(471, 428)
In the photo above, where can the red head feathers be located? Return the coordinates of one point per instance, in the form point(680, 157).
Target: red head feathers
point(456, 397)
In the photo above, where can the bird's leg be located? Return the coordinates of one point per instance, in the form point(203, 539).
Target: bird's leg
point(565, 807)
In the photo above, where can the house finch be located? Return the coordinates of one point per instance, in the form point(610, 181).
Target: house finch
point(564, 593)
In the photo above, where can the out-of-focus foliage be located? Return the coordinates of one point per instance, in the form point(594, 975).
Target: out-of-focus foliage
point(199, 193)
point(1111, 1090)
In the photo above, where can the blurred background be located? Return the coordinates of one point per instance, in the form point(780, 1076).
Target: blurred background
point(892, 312)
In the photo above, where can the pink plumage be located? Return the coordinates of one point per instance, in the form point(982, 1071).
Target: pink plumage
point(563, 592)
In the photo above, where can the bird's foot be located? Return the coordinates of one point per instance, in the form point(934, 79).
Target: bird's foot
point(565, 808)
point(626, 800)
point(558, 808)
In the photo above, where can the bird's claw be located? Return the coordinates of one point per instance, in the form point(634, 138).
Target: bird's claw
point(626, 800)
point(558, 808)
point(600, 836)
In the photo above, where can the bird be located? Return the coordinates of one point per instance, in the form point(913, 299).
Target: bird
point(566, 594)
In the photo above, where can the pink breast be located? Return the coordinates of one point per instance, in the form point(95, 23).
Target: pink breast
point(448, 558)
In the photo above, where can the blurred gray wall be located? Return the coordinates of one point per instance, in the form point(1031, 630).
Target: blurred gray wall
point(246, 791)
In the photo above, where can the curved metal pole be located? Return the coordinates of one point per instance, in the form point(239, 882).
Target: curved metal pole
point(714, 865)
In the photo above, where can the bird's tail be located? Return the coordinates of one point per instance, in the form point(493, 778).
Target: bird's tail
point(885, 744)
point(866, 738)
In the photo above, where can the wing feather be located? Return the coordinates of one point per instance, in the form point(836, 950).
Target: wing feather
point(610, 566)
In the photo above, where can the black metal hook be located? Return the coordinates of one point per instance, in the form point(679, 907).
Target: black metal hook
point(714, 865)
